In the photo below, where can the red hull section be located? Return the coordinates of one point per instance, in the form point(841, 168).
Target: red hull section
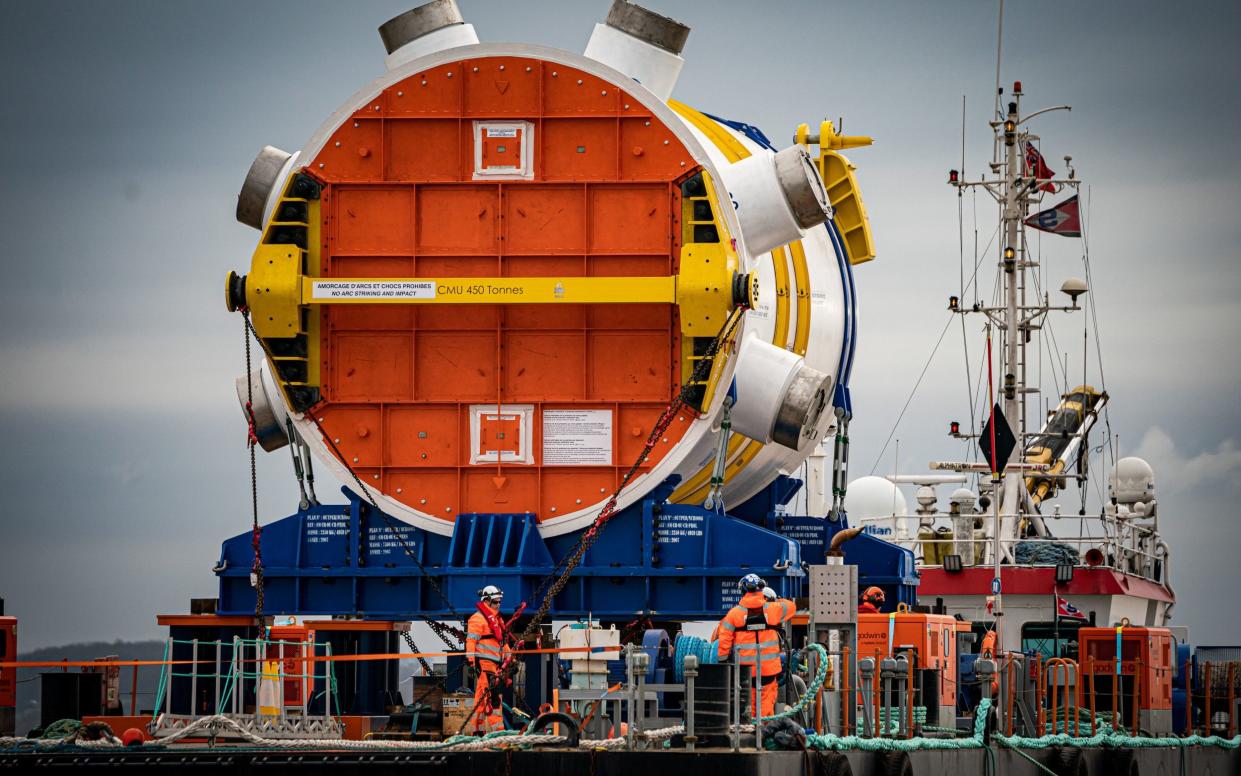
point(1039, 581)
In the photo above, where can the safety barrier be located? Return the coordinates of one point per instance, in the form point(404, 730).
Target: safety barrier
point(267, 687)
point(1219, 683)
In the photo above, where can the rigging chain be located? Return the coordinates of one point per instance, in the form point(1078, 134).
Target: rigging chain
point(409, 639)
point(256, 569)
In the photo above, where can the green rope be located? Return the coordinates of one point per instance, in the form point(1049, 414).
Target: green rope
point(1105, 737)
point(819, 678)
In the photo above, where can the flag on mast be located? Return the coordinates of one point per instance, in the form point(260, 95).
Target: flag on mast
point(1036, 166)
point(1064, 219)
point(1066, 609)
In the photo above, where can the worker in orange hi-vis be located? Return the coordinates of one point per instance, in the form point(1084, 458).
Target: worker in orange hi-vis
point(872, 601)
point(752, 628)
point(485, 648)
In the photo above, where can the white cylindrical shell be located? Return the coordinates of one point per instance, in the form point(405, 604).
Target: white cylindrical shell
point(764, 374)
point(778, 398)
point(452, 36)
point(651, 66)
point(777, 195)
point(823, 327)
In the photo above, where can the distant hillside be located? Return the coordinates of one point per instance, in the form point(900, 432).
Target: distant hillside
point(28, 678)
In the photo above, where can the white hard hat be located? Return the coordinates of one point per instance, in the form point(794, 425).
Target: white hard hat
point(769, 594)
point(490, 593)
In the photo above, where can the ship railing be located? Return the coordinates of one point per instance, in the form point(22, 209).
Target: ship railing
point(272, 688)
point(1114, 543)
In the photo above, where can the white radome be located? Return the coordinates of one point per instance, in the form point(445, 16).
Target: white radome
point(872, 497)
point(1132, 481)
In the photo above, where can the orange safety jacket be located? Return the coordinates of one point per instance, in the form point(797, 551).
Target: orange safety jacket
point(481, 646)
point(751, 625)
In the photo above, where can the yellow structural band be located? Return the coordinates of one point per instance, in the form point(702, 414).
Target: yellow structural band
point(801, 272)
point(742, 451)
point(490, 290)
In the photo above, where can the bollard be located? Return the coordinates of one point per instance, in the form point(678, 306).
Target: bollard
point(887, 672)
point(904, 695)
point(641, 661)
point(866, 678)
point(690, 671)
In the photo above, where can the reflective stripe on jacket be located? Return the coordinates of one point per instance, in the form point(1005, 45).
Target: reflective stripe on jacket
point(755, 638)
point(481, 643)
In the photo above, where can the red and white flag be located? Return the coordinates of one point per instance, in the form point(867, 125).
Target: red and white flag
point(1064, 219)
point(1037, 167)
point(1066, 609)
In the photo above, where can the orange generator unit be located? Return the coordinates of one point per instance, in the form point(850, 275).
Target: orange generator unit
point(1127, 672)
point(929, 641)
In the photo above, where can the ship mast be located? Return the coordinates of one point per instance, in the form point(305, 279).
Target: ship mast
point(1014, 189)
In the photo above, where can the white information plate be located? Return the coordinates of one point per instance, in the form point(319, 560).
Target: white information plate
point(373, 289)
point(577, 437)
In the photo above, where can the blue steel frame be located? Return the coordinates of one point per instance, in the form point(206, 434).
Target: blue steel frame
point(668, 561)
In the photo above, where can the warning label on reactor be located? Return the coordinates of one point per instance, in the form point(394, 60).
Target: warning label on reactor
point(577, 437)
point(373, 289)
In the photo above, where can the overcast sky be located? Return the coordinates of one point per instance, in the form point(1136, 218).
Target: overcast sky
point(128, 127)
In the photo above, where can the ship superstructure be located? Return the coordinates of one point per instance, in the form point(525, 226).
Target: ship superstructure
point(1004, 553)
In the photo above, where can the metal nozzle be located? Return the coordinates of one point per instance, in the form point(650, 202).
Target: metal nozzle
point(646, 25)
point(416, 22)
point(260, 179)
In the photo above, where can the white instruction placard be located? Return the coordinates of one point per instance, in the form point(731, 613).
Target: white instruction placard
point(373, 289)
point(577, 437)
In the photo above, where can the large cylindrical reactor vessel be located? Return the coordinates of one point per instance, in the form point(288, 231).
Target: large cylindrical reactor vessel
point(483, 280)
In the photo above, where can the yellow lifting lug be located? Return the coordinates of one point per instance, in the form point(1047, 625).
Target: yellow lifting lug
point(706, 288)
point(273, 290)
point(848, 211)
point(829, 139)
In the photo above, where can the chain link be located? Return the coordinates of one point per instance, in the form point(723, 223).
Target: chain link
point(409, 639)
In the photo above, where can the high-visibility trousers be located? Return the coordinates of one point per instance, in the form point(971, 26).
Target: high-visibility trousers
point(768, 695)
point(763, 697)
point(488, 714)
